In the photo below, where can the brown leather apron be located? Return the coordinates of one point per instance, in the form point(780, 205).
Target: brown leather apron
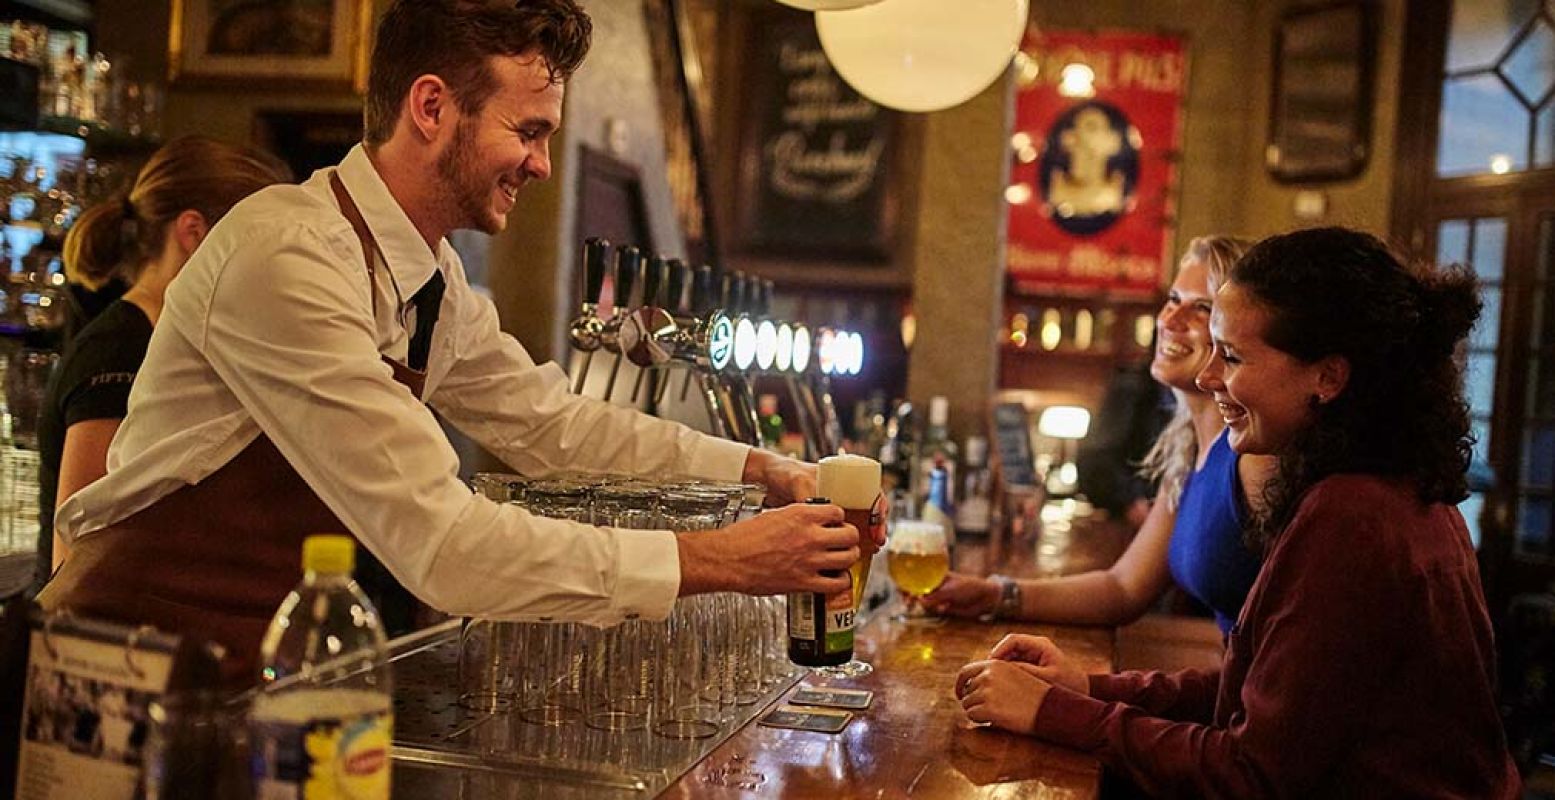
point(213, 559)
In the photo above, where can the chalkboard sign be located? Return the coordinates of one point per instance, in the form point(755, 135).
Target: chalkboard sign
point(815, 156)
point(1012, 443)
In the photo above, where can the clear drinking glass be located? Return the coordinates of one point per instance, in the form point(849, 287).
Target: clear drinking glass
point(626, 664)
point(491, 661)
point(554, 677)
point(691, 701)
point(502, 487)
point(196, 746)
point(559, 499)
point(918, 558)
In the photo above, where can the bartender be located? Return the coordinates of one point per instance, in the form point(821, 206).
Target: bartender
point(290, 386)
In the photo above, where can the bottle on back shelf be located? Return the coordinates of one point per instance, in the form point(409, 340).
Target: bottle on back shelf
point(898, 453)
point(772, 429)
point(323, 721)
point(939, 508)
point(936, 449)
point(975, 509)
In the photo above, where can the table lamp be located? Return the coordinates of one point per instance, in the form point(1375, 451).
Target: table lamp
point(1067, 424)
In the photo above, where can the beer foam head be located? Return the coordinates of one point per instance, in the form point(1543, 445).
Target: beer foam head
point(916, 536)
point(850, 481)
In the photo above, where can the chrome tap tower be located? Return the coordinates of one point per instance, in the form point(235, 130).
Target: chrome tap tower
point(722, 339)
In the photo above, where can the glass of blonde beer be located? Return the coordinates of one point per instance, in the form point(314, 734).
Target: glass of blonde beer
point(918, 556)
point(852, 482)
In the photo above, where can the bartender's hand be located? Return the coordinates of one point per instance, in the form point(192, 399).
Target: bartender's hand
point(782, 550)
point(1001, 694)
point(787, 480)
point(963, 596)
point(1039, 656)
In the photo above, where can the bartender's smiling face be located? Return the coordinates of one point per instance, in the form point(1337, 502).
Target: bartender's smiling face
point(495, 151)
point(1263, 393)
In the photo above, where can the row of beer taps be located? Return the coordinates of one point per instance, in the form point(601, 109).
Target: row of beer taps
point(716, 329)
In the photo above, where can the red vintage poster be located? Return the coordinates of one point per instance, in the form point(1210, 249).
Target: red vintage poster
point(1098, 127)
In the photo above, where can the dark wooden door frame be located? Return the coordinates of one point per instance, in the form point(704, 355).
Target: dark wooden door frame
point(1420, 202)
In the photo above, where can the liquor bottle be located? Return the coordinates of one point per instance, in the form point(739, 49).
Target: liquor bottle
point(936, 449)
point(939, 508)
point(323, 722)
point(898, 454)
point(974, 512)
point(772, 429)
point(820, 626)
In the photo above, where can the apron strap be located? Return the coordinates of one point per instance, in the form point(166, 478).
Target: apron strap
point(414, 379)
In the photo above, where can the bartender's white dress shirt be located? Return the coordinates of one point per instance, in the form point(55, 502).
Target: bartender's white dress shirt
point(269, 328)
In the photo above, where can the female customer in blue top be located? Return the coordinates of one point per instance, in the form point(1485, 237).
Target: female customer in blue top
point(1193, 532)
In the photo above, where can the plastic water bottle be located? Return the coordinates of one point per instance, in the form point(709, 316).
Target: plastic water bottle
point(323, 721)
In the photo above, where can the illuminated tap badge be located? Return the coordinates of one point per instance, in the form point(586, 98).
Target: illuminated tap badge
point(744, 343)
point(766, 344)
point(720, 342)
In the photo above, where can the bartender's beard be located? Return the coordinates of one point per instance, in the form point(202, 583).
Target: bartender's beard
point(460, 173)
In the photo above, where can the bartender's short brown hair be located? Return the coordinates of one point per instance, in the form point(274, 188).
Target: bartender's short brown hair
point(453, 39)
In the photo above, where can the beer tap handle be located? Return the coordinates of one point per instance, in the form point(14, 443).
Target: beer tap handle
point(654, 278)
point(730, 300)
point(628, 261)
point(675, 289)
point(596, 256)
point(748, 287)
point(703, 291)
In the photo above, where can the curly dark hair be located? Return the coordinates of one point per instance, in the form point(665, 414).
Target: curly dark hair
point(1335, 291)
point(453, 39)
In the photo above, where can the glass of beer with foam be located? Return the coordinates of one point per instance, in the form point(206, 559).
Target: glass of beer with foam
point(918, 558)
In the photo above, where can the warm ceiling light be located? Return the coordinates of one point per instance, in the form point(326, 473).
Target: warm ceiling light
point(1077, 80)
point(923, 55)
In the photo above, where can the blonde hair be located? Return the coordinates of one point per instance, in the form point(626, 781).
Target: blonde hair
point(117, 237)
point(1172, 457)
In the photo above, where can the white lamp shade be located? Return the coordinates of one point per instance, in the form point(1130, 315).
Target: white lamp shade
point(827, 5)
point(1064, 422)
point(923, 55)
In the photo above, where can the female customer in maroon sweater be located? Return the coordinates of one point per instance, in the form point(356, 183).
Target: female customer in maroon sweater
point(1361, 665)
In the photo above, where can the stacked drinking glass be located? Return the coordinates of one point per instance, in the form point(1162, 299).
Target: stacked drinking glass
point(681, 678)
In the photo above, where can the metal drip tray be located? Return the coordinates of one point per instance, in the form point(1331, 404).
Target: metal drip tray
point(442, 749)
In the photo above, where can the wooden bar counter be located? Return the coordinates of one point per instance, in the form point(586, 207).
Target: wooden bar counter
point(915, 741)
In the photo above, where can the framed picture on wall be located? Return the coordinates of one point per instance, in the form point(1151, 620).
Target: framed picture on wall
point(1320, 114)
point(307, 42)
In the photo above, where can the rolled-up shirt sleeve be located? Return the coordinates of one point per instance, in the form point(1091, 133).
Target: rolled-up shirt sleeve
point(290, 331)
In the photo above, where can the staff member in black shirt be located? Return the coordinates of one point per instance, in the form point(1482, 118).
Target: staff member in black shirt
point(143, 237)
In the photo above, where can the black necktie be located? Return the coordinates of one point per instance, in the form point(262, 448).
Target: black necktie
point(428, 300)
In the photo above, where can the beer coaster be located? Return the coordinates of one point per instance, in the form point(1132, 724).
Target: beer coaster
point(853, 699)
point(817, 720)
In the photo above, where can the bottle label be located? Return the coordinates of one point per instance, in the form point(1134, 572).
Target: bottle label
point(839, 622)
point(834, 630)
point(801, 615)
point(344, 758)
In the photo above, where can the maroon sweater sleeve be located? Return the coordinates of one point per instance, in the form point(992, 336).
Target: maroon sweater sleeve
point(1187, 696)
point(1321, 630)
